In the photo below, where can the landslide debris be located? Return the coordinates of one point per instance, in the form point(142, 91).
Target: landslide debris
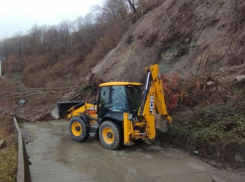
point(190, 37)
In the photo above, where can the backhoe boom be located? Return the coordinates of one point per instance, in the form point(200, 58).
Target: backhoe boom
point(153, 102)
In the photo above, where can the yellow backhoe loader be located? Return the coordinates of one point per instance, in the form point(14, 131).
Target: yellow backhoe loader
point(121, 114)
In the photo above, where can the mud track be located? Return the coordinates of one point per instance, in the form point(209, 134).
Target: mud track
point(56, 157)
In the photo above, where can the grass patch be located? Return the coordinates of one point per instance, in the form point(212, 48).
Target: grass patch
point(8, 155)
point(216, 131)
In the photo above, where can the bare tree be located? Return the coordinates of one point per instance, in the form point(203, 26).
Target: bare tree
point(18, 42)
point(132, 5)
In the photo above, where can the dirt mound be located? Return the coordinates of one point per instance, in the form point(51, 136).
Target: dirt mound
point(29, 103)
point(191, 37)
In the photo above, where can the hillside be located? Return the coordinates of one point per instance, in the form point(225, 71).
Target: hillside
point(204, 38)
point(190, 37)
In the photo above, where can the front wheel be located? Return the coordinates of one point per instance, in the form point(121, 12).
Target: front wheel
point(79, 130)
point(111, 135)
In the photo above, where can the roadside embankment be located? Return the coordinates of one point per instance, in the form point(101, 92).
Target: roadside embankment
point(215, 132)
point(23, 172)
point(8, 149)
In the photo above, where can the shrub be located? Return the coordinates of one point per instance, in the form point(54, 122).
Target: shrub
point(172, 95)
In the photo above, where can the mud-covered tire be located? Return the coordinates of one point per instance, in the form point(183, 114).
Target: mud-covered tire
point(111, 135)
point(79, 130)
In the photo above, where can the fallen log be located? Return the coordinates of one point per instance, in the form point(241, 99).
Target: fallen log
point(15, 115)
point(79, 92)
point(42, 116)
point(75, 95)
point(62, 88)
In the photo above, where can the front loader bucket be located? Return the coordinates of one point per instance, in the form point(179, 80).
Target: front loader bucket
point(64, 106)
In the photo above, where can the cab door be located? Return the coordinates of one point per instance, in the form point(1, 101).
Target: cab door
point(103, 102)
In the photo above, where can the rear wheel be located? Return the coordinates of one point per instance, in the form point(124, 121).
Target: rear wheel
point(79, 130)
point(111, 135)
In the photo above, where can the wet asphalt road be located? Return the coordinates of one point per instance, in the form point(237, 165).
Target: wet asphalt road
point(56, 157)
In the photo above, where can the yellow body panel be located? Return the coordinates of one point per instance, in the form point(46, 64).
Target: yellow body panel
point(87, 108)
point(148, 116)
point(119, 83)
point(157, 84)
point(130, 133)
point(127, 129)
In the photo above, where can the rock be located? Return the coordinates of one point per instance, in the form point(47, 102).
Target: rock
point(222, 69)
point(215, 179)
point(238, 158)
point(240, 78)
point(3, 144)
point(195, 152)
point(55, 113)
point(21, 102)
point(209, 83)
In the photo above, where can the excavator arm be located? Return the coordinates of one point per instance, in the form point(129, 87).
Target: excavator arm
point(153, 102)
point(153, 98)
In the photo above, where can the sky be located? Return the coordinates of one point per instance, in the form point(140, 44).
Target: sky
point(20, 15)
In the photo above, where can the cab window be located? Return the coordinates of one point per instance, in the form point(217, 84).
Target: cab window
point(118, 99)
point(104, 101)
point(105, 95)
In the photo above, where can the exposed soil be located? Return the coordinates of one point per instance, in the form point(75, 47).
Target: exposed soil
point(37, 101)
point(190, 37)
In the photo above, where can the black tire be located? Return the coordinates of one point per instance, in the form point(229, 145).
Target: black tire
point(83, 133)
point(115, 140)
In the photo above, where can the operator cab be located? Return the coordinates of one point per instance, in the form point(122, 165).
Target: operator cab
point(116, 98)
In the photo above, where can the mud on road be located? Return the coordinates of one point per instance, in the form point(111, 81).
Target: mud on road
point(55, 156)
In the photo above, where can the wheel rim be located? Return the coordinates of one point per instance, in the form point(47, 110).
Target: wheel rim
point(108, 135)
point(76, 128)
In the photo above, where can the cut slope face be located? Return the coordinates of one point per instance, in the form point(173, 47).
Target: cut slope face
point(191, 37)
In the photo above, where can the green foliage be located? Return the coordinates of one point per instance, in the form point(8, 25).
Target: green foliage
point(207, 128)
point(17, 76)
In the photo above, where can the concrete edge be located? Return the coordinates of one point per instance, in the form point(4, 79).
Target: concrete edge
point(23, 172)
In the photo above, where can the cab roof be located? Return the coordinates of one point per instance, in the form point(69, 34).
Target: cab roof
point(119, 84)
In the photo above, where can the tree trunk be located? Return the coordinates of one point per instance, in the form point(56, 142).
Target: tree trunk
point(132, 6)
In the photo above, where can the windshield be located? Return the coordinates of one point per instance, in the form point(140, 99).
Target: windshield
point(118, 99)
point(134, 98)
